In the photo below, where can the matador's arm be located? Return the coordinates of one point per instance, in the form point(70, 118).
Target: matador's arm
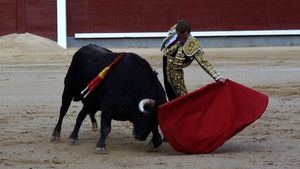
point(206, 66)
point(192, 48)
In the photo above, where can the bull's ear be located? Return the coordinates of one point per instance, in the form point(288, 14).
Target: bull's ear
point(147, 105)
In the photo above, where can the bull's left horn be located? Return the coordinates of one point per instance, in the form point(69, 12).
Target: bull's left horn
point(148, 102)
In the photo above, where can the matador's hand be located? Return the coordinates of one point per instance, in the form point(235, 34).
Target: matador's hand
point(221, 79)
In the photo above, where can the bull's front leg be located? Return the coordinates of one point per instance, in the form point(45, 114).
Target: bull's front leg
point(156, 140)
point(104, 131)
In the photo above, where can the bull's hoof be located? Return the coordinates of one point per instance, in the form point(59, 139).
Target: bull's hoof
point(55, 136)
point(155, 143)
point(73, 141)
point(100, 150)
point(95, 127)
point(55, 139)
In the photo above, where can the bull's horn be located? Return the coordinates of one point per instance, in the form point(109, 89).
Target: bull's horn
point(148, 102)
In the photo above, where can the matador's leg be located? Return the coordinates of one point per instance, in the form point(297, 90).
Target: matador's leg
point(176, 77)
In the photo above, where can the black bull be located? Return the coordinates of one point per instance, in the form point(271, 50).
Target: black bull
point(117, 97)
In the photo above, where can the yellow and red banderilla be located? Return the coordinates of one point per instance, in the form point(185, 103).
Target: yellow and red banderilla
point(98, 79)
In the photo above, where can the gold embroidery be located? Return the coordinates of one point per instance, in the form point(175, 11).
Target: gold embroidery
point(176, 78)
point(191, 46)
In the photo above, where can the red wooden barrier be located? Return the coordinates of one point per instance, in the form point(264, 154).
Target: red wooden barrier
point(159, 15)
point(8, 22)
point(33, 16)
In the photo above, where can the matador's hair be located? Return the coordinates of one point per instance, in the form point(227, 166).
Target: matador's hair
point(183, 26)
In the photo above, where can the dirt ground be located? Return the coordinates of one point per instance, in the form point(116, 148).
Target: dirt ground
point(32, 70)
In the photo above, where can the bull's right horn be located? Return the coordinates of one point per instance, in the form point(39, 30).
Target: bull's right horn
point(148, 102)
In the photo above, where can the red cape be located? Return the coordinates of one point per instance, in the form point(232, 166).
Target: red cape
point(203, 120)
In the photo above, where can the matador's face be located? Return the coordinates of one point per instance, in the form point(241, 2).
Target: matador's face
point(183, 37)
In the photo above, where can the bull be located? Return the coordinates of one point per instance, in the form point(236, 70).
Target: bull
point(131, 91)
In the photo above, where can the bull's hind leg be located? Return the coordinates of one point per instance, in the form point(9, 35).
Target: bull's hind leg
point(104, 131)
point(73, 139)
point(66, 101)
point(94, 121)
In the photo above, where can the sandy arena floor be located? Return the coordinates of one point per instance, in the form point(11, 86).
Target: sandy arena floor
point(32, 70)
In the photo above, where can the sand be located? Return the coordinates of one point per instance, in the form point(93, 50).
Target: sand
point(32, 70)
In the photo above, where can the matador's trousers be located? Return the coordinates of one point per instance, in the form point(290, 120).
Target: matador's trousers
point(173, 79)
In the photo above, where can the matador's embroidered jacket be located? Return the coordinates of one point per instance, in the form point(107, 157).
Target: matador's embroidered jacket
point(180, 56)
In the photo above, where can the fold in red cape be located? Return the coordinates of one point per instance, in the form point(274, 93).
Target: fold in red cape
point(203, 120)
